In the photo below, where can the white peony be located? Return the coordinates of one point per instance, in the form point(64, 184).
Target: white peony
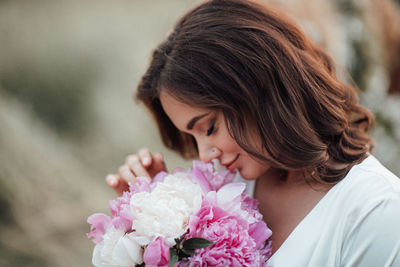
point(117, 250)
point(166, 210)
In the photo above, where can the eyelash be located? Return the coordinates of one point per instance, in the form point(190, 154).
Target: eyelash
point(210, 130)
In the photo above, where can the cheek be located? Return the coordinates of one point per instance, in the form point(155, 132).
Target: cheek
point(251, 169)
point(228, 144)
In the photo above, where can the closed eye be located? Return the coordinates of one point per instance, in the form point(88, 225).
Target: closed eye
point(210, 130)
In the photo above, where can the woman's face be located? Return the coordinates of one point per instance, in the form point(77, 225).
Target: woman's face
point(212, 137)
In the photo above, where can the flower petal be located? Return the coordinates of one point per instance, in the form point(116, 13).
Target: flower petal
point(260, 233)
point(229, 192)
point(156, 253)
point(141, 240)
point(96, 259)
point(141, 185)
point(135, 251)
point(120, 254)
point(199, 176)
point(99, 222)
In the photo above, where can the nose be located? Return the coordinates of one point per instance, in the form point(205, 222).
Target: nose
point(208, 153)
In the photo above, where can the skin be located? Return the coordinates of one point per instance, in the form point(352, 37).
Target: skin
point(212, 137)
point(283, 201)
point(144, 163)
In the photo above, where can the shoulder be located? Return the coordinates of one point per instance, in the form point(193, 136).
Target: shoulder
point(370, 182)
point(372, 212)
point(368, 190)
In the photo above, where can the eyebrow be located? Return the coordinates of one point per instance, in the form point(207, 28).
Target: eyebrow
point(193, 121)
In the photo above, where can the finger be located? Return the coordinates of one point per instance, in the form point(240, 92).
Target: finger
point(145, 157)
point(158, 164)
point(117, 183)
point(112, 180)
point(136, 166)
point(126, 174)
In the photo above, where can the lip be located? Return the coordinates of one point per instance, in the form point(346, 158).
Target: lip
point(229, 165)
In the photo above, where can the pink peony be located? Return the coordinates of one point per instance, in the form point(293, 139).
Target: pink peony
point(99, 224)
point(208, 178)
point(159, 178)
point(156, 253)
point(201, 202)
point(120, 210)
point(142, 185)
point(237, 242)
point(250, 205)
point(122, 215)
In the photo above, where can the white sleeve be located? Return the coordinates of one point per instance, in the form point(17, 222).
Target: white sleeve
point(373, 238)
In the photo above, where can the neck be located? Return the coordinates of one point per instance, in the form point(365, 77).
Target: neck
point(283, 177)
point(288, 180)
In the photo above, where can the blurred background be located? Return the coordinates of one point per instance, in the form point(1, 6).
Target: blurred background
point(68, 70)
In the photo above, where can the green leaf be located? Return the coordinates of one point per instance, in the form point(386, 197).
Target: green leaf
point(188, 252)
point(173, 257)
point(196, 242)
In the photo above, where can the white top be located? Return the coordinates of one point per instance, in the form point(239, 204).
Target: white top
point(357, 223)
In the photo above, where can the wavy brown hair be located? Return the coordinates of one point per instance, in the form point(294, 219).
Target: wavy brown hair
point(260, 70)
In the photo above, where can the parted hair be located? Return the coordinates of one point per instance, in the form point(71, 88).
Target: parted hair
point(268, 79)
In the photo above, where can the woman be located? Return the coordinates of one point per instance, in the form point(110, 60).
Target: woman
point(240, 83)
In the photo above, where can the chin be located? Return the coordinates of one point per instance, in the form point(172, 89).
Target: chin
point(252, 173)
point(248, 175)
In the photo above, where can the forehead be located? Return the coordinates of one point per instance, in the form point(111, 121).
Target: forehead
point(180, 113)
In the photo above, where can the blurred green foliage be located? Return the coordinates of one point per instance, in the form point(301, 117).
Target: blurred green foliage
point(6, 216)
point(360, 64)
point(386, 124)
point(60, 98)
point(10, 257)
point(347, 7)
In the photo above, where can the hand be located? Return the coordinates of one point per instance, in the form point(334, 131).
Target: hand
point(140, 164)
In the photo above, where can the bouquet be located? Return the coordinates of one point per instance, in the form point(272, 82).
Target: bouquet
point(194, 217)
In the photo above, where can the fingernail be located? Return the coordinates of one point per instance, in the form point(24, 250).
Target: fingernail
point(146, 160)
point(112, 181)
